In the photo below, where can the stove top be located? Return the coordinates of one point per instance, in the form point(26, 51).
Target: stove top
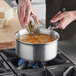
point(12, 65)
point(5, 69)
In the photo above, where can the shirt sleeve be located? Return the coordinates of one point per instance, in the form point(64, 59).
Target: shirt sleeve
point(17, 1)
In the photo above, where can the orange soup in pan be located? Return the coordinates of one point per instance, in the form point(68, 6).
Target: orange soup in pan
point(36, 38)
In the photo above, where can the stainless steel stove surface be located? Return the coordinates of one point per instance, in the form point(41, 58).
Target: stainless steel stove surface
point(11, 65)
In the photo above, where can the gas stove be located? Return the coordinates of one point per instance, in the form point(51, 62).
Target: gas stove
point(12, 65)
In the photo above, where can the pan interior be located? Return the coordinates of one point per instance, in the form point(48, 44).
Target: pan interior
point(40, 30)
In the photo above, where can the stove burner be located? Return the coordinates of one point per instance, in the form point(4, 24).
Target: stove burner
point(30, 65)
point(33, 65)
point(20, 62)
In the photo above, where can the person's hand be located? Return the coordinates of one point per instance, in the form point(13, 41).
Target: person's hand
point(24, 11)
point(65, 18)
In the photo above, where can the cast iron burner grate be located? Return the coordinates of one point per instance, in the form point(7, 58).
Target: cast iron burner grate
point(5, 69)
point(57, 70)
point(71, 71)
point(19, 64)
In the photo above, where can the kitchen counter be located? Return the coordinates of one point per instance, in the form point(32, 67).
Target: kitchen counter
point(7, 33)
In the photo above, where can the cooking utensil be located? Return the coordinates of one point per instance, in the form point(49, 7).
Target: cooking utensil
point(37, 52)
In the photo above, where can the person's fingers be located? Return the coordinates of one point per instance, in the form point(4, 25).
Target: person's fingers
point(63, 23)
point(59, 17)
point(27, 15)
point(58, 13)
point(19, 16)
point(60, 24)
point(55, 16)
point(35, 18)
point(23, 11)
point(18, 12)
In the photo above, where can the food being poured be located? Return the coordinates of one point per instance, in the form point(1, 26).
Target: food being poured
point(31, 27)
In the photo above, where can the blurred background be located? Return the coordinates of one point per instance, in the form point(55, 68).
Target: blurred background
point(39, 7)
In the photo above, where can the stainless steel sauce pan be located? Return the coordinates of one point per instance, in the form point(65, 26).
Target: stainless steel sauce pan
point(37, 52)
